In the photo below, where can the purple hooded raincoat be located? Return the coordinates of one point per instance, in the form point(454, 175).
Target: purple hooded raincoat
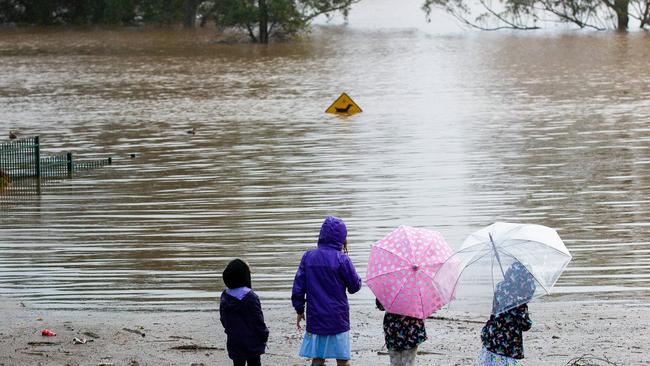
point(324, 275)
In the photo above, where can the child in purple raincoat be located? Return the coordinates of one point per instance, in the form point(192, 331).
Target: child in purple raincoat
point(241, 316)
point(324, 275)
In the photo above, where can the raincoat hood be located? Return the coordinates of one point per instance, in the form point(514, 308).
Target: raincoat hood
point(332, 233)
point(233, 303)
point(237, 274)
point(518, 287)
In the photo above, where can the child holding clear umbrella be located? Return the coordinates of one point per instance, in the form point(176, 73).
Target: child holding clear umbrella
point(502, 335)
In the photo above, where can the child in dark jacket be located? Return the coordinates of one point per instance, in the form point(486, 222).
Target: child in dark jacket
point(502, 335)
point(241, 316)
point(403, 334)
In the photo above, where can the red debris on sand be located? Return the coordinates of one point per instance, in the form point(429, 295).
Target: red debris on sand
point(48, 333)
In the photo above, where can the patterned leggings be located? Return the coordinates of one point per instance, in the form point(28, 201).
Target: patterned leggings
point(403, 358)
point(487, 358)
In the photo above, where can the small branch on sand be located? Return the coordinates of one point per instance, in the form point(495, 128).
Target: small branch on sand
point(134, 331)
point(196, 347)
point(34, 353)
point(456, 320)
point(590, 360)
point(430, 353)
point(179, 337)
point(91, 334)
point(38, 344)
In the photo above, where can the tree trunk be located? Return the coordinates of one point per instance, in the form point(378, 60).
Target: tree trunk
point(264, 21)
point(621, 9)
point(97, 12)
point(189, 17)
point(167, 12)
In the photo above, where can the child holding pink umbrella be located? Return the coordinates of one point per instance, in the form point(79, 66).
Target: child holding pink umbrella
point(400, 273)
point(403, 334)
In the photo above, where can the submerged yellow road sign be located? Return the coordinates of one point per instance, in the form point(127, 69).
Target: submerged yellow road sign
point(343, 105)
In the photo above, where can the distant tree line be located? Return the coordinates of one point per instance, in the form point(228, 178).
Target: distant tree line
point(525, 14)
point(260, 19)
point(50, 12)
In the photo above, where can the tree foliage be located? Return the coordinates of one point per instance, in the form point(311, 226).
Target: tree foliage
point(525, 14)
point(264, 19)
point(261, 19)
point(48, 12)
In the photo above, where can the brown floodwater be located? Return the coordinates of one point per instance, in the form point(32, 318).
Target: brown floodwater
point(457, 131)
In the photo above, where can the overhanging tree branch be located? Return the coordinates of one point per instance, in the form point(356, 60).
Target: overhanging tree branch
point(341, 7)
point(251, 33)
point(469, 23)
point(568, 17)
point(644, 14)
point(510, 24)
point(523, 14)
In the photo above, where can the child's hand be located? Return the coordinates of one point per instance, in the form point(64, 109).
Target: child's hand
point(299, 317)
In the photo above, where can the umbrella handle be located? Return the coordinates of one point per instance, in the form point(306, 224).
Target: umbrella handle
point(496, 252)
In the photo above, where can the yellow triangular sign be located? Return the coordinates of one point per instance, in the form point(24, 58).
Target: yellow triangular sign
point(344, 105)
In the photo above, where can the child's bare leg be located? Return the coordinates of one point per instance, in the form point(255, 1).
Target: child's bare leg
point(342, 362)
point(317, 362)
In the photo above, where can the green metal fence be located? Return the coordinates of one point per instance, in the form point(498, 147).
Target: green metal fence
point(90, 164)
point(22, 159)
point(55, 166)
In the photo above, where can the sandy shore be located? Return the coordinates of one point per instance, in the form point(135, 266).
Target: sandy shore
point(563, 330)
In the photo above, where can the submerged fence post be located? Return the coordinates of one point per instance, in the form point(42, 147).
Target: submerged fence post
point(70, 165)
point(37, 157)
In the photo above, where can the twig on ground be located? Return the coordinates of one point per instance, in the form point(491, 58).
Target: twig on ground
point(590, 360)
point(134, 331)
point(38, 344)
point(456, 320)
point(179, 337)
point(196, 347)
point(91, 334)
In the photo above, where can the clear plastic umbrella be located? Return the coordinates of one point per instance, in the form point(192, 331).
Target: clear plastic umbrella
point(502, 266)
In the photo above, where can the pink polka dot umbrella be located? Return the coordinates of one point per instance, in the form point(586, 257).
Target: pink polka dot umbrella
point(401, 268)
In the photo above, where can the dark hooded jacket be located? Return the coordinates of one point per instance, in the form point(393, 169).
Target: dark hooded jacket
point(242, 317)
point(323, 276)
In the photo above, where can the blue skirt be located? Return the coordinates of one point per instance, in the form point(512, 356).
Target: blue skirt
point(332, 346)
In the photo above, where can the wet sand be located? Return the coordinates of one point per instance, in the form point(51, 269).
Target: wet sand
point(562, 331)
